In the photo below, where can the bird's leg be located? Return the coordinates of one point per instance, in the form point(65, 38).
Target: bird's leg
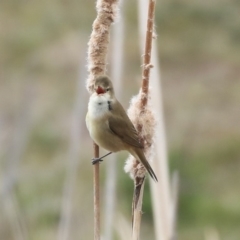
point(96, 160)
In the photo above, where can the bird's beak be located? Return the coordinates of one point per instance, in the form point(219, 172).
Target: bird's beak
point(100, 90)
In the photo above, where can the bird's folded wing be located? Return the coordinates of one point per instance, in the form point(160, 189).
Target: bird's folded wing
point(125, 130)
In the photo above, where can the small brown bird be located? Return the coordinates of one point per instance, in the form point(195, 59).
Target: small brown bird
point(109, 125)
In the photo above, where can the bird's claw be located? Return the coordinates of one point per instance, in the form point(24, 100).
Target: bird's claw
point(99, 159)
point(96, 160)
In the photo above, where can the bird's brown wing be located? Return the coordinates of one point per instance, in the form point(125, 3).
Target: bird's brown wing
point(125, 130)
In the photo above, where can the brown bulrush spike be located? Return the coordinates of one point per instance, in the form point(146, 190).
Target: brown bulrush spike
point(97, 55)
point(143, 119)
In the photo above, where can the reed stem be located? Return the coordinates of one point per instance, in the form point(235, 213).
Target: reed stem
point(96, 194)
point(139, 182)
point(97, 60)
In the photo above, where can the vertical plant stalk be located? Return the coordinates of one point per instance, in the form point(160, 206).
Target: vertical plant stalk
point(96, 191)
point(97, 54)
point(139, 181)
point(161, 192)
point(137, 207)
point(147, 55)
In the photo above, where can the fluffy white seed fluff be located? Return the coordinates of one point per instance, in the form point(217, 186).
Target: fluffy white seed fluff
point(146, 119)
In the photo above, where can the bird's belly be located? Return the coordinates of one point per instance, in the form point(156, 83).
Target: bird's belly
point(102, 136)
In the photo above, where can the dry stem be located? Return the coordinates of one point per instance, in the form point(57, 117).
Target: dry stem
point(97, 53)
point(147, 56)
point(137, 206)
point(161, 197)
point(96, 192)
point(139, 182)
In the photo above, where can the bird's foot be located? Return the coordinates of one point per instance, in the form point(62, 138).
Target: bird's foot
point(96, 160)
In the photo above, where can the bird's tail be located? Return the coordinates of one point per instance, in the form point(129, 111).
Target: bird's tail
point(139, 155)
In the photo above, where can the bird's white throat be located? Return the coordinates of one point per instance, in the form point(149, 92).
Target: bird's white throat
point(98, 105)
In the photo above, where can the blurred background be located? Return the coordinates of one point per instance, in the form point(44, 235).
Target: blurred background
point(44, 142)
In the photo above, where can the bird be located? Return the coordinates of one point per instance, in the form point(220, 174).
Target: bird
point(109, 125)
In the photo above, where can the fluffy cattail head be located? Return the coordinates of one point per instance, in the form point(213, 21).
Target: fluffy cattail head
point(99, 39)
point(144, 121)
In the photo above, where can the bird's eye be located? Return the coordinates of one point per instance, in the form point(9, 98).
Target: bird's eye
point(108, 89)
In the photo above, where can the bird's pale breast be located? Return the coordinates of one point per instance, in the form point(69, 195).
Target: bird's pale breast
point(102, 135)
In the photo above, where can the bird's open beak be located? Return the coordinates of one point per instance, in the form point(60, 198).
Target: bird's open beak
point(100, 90)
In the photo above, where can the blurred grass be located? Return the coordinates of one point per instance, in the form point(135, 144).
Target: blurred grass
point(209, 181)
point(43, 42)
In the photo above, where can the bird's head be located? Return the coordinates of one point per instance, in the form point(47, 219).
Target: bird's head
point(103, 85)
